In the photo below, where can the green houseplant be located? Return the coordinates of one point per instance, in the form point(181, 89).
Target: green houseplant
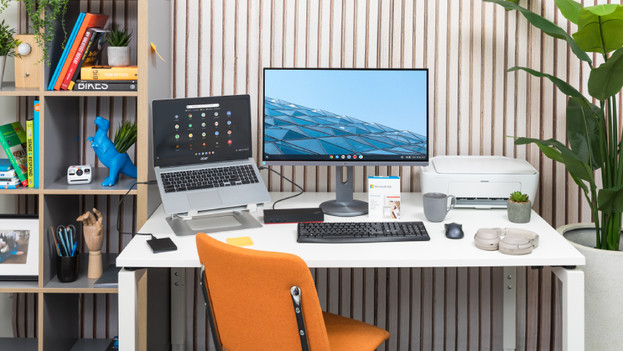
point(43, 16)
point(594, 153)
point(8, 43)
point(519, 207)
point(118, 50)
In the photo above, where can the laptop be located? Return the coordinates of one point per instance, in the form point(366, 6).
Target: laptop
point(202, 155)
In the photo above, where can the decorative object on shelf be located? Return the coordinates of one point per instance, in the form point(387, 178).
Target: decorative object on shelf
point(19, 247)
point(519, 207)
point(8, 44)
point(114, 156)
point(595, 137)
point(27, 72)
point(66, 243)
point(92, 231)
point(118, 50)
point(43, 26)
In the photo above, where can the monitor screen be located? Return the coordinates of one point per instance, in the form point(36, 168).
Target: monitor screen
point(345, 116)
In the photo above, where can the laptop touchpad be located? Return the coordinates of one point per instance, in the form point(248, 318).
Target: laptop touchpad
point(204, 200)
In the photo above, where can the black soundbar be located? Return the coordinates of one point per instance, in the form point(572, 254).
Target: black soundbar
point(293, 215)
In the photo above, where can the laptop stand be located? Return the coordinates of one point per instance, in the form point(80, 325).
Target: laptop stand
point(212, 222)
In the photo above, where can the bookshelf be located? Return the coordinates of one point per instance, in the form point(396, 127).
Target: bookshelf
point(66, 120)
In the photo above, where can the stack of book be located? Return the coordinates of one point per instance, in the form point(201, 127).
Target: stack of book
point(76, 68)
point(8, 176)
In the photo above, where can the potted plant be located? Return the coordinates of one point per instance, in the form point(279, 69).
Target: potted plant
point(594, 156)
point(118, 50)
point(8, 43)
point(519, 207)
point(44, 16)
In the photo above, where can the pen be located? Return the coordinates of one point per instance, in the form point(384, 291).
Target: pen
point(56, 246)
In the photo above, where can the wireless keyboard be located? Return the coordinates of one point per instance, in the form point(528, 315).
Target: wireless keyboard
point(360, 232)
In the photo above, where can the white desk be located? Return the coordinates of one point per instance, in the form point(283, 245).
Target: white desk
point(553, 251)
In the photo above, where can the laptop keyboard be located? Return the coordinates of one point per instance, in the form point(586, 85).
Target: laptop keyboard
point(208, 178)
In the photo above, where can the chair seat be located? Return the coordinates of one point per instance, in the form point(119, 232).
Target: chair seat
point(348, 334)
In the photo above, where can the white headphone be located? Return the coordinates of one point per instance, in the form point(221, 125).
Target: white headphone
point(510, 241)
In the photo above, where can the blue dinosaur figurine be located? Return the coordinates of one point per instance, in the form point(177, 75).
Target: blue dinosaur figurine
point(108, 155)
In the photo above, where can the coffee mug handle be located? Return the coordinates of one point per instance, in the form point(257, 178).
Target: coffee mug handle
point(453, 202)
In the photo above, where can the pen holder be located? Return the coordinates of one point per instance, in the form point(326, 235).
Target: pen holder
point(67, 268)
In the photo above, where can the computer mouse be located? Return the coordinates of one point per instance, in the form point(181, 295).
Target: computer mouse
point(453, 230)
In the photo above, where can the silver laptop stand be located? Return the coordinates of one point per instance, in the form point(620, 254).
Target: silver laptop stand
point(211, 222)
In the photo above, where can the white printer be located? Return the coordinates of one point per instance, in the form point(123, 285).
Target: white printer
point(479, 181)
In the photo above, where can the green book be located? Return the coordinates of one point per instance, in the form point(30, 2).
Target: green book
point(13, 141)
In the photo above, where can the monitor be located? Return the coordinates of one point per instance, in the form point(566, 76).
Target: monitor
point(345, 117)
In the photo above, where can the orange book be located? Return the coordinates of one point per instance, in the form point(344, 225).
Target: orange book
point(90, 20)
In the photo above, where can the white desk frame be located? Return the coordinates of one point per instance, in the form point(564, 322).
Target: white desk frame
point(553, 251)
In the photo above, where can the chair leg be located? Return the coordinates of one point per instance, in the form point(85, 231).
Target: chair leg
point(213, 322)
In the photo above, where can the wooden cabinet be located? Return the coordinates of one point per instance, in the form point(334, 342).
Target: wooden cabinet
point(66, 120)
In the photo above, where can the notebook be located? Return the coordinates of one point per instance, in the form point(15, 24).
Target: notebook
point(202, 154)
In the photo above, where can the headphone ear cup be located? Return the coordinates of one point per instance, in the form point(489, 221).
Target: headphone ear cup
point(487, 239)
point(515, 244)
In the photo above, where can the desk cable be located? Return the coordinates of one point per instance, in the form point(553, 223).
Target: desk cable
point(288, 180)
point(121, 200)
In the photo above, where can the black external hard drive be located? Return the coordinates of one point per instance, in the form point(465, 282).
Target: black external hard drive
point(162, 245)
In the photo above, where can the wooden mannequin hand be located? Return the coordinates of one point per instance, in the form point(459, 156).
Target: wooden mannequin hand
point(92, 229)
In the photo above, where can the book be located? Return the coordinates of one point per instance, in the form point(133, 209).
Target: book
point(36, 143)
point(76, 59)
point(92, 51)
point(10, 182)
point(90, 20)
point(13, 141)
point(109, 73)
point(59, 65)
point(105, 85)
point(18, 185)
point(30, 157)
point(5, 164)
point(10, 174)
point(108, 278)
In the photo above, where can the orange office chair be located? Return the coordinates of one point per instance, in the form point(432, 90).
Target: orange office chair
point(261, 300)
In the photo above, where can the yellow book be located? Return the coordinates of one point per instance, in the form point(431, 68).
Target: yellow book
point(109, 73)
point(30, 154)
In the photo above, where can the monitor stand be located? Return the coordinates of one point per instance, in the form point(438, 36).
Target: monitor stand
point(344, 205)
point(212, 222)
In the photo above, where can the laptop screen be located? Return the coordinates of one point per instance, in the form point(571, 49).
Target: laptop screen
point(203, 129)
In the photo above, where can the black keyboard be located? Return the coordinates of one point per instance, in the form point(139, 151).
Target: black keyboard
point(208, 178)
point(361, 232)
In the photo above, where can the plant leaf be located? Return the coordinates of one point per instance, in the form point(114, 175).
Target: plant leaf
point(606, 79)
point(562, 85)
point(600, 28)
point(569, 9)
point(584, 126)
point(545, 26)
point(610, 199)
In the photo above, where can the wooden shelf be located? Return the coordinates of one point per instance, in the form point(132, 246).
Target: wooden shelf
point(19, 286)
point(83, 284)
point(66, 93)
point(22, 344)
point(9, 89)
point(60, 187)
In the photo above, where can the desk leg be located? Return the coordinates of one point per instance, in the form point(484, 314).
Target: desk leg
point(509, 308)
point(572, 307)
point(178, 308)
point(132, 312)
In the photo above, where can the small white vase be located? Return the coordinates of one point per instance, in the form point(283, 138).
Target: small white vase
point(2, 64)
point(118, 56)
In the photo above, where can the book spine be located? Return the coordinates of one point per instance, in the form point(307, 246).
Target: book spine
point(10, 186)
point(14, 181)
point(59, 65)
point(106, 73)
point(89, 56)
point(7, 174)
point(76, 59)
point(12, 136)
point(30, 158)
point(105, 86)
point(36, 141)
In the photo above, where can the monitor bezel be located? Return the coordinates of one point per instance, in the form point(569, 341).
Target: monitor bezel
point(301, 162)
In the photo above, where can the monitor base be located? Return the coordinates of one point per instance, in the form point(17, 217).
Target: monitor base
point(344, 209)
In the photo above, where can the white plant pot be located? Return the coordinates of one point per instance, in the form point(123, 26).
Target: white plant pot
point(603, 288)
point(2, 64)
point(118, 56)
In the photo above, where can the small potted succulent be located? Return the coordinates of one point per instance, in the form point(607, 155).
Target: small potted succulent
point(8, 43)
point(519, 207)
point(118, 50)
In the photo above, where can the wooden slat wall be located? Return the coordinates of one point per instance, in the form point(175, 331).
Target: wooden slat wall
point(221, 47)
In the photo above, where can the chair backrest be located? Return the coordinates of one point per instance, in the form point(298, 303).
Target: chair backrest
point(250, 297)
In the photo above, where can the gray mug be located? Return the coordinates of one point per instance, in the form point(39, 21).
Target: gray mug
point(436, 206)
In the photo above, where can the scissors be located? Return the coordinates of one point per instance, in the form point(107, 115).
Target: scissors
point(67, 239)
